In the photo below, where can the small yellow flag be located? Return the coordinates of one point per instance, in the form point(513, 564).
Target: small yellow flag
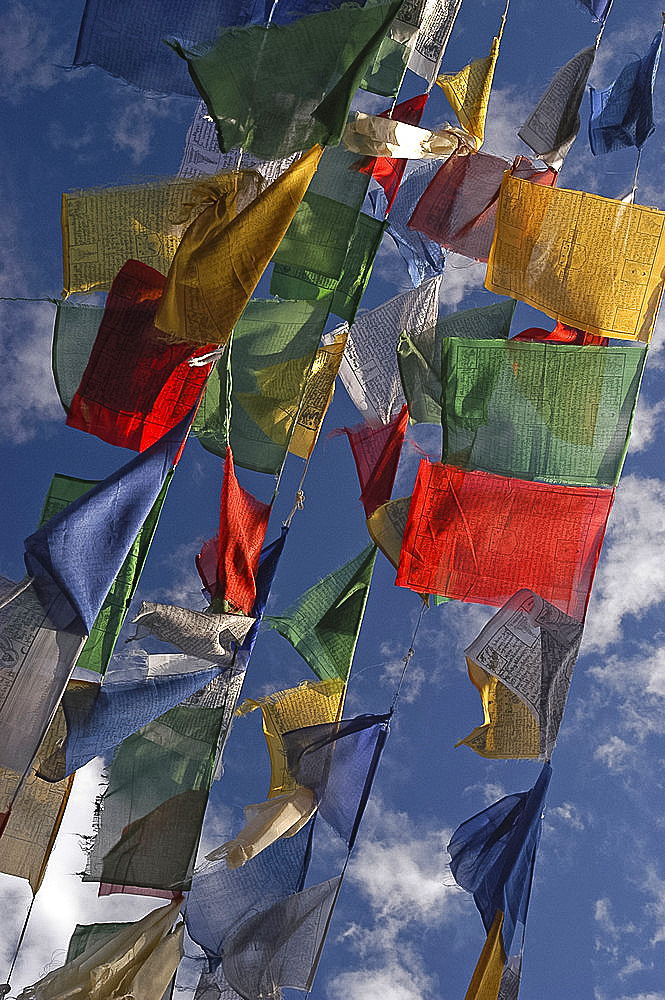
point(468, 93)
point(509, 729)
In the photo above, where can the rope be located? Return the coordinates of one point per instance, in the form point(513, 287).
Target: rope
point(407, 658)
point(4, 987)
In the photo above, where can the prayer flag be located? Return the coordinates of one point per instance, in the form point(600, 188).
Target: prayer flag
point(266, 822)
point(385, 170)
point(551, 128)
point(562, 334)
point(324, 623)
point(376, 451)
point(473, 536)
point(225, 250)
point(458, 209)
point(509, 730)
point(136, 387)
point(419, 353)
point(204, 634)
point(317, 396)
point(468, 93)
point(591, 262)
point(487, 975)
point(268, 562)
point(544, 411)
point(435, 20)
point(622, 114)
point(308, 704)
point(530, 647)
point(74, 334)
point(597, 8)
point(387, 525)
point(424, 258)
point(358, 264)
point(274, 90)
point(82, 548)
point(375, 135)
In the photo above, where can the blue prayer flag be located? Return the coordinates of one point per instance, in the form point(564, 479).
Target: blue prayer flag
point(622, 114)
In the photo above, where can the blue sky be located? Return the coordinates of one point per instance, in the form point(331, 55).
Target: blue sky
point(402, 929)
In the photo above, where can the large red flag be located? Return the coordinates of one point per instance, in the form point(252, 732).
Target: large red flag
point(376, 451)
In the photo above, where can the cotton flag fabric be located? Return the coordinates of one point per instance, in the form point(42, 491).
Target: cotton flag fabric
point(387, 525)
point(274, 90)
point(562, 334)
point(266, 822)
point(458, 209)
point(135, 387)
point(473, 536)
point(309, 704)
point(385, 170)
point(224, 252)
point(74, 333)
point(419, 353)
point(338, 761)
point(114, 969)
point(591, 262)
point(622, 114)
point(324, 623)
point(551, 412)
point(204, 634)
point(317, 395)
point(509, 729)
point(423, 257)
point(468, 93)
point(82, 548)
point(268, 563)
point(597, 8)
point(435, 20)
point(531, 647)
point(374, 135)
point(376, 451)
point(552, 127)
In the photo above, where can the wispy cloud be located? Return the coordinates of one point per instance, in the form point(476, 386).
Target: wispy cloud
point(29, 52)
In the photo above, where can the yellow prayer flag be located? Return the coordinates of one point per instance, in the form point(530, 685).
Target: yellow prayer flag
point(509, 729)
point(486, 978)
point(318, 396)
point(593, 263)
point(224, 252)
point(386, 527)
point(468, 93)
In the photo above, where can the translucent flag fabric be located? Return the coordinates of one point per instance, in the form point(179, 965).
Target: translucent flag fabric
point(83, 548)
point(544, 411)
point(468, 93)
point(104, 227)
point(387, 525)
point(562, 334)
point(272, 352)
point(309, 704)
point(369, 367)
point(159, 780)
point(225, 250)
point(135, 386)
point(317, 395)
point(385, 170)
point(488, 973)
point(204, 634)
point(266, 822)
point(222, 898)
point(473, 536)
point(99, 645)
point(268, 563)
point(509, 729)
point(458, 209)
point(435, 20)
point(597, 8)
point(114, 968)
point(375, 135)
point(377, 451)
point(274, 90)
point(74, 334)
point(591, 262)
point(338, 761)
point(281, 945)
point(419, 353)
point(531, 647)
point(423, 257)
point(324, 623)
point(622, 114)
point(551, 128)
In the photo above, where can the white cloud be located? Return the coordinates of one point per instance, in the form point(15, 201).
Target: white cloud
point(647, 426)
point(29, 54)
point(28, 399)
point(134, 128)
point(615, 753)
point(566, 813)
point(461, 276)
point(393, 980)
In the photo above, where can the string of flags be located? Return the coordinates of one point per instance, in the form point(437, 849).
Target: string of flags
point(535, 428)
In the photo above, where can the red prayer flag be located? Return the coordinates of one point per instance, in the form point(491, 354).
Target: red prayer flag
point(474, 536)
point(136, 386)
point(228, 564)
point(458, 208)
point(376, 451)
point(387, 170)
point(563, 334)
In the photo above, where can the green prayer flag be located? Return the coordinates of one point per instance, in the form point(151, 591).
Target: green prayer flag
point(419, 355)
point(276, 89)
point(539, 411)
point(324, 623)
point(358, 266)
point(99, 645)
point(273, 348)
point(74, 335)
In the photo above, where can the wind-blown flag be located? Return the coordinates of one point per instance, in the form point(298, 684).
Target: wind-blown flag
point(375, 135)
point(551, 128)
point(74, 333)
point(468, 93)
point(473, 536)
point(317, 396)
point(225, 250)
point(204, 634)
point(552, 412)
point(82, 549)
point(509, 730)
point(591, 262)
point(424, 258)
point(622, 114)
point(376, 451)
point(268, 563)
point(387, 525)
point(266, 822)
point(458, 209)
point(562, 334)
point(385, 170)
point(530, 647)
point(597, 8)
point(419, 353)
point(435, 20)
point(274, 90)
point(324, 623)
point(135, 387)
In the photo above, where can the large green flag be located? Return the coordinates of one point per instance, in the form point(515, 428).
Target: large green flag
point(99, 645)
point(274, 345)
point(276, 89)
point(541, 411)
point(419, 354)
point(324, 623)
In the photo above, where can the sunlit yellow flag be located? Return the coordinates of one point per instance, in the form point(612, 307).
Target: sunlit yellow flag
point(593, 263)
point(468, 92)
point(386, 527)
point(509, 729)
point(486, 978)
point(224, 252)
point(309, 704)
point(318, 396)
